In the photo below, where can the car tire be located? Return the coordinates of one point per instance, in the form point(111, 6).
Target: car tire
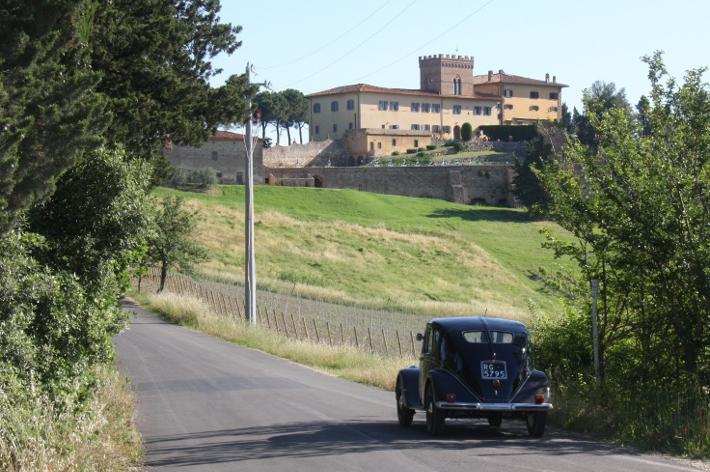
point(495, 419)
point(405, 415)
point(435, 418)
point(536, 423)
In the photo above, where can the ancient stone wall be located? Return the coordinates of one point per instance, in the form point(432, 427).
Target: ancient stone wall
point(489, 184)
point(226, 157)
point(314, 153)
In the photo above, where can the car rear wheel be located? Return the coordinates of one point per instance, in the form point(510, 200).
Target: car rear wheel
point(536, 423)
point(405, 415)
point(435, 419)
point(495, 419)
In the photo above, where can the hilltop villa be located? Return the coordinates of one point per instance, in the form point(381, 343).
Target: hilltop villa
point(377, 121)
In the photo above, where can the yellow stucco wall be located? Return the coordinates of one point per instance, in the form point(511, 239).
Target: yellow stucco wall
point(321, 124)
point(548, 109)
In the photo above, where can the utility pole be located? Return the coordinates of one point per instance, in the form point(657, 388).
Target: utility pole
point(249, 260)
point(595, 328)
point(250, 263)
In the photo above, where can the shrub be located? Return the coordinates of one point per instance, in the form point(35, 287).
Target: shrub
point(431, 147)
point(466, 131)
point(459, 146)
point(509, 132)
point(421, 153)
point(395, 153)
point(411, 150)
point(420, 149)
point(193, 178)
point(449, 143)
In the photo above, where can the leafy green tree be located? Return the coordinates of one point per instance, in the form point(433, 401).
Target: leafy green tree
point(280, 114)
point(566, 119)
point(49, 111)
point(264, 103)
point(169, 246)
point(526, 183)
point(642, 115)
point(94, 222)
point(296, 113)
point(597, 99)
point(466, 131)
point(154, 60)
point(639, 207)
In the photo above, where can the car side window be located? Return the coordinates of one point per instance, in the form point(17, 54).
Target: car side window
point(426, 344)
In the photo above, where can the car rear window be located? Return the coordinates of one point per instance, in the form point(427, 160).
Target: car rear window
point(481, 337)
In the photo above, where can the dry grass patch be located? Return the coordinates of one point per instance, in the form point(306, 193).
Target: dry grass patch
point(343, 361)
point(100, 435)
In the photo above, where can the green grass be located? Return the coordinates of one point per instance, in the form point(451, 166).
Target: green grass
point(413, 254)
point(467, 155)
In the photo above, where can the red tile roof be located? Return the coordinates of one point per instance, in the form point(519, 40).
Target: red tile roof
point(356, 88)
point(221, 135)
point(511, 79)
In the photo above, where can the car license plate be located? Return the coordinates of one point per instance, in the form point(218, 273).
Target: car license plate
point(493, 370)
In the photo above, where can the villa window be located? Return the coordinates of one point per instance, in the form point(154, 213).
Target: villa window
point(507, 93)
point(416, 143)
point(394, 142)
point(534, 94)
point(426, 107)
point(350, 104)
point(554, 95)
point(350, 125)
point(379, 145)
point(214, 155)
point(415, 127)
point(427, 127)
point(382, 105)
point(394, 126)
point(333, 106)
point(554, 109)
point(456, 109)
point(487, 111)
point(317, 129)
point(316, 108)
point(476, 110)
point(335, 128)
point(435, 128)
point(435, 108)
point(446, 129)
point(394, 106)
point(414, 107)
point(534, 108)
point(507, 106)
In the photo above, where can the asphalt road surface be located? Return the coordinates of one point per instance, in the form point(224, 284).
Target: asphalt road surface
point(208, 405)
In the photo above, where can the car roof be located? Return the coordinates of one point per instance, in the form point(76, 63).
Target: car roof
point(460, 323)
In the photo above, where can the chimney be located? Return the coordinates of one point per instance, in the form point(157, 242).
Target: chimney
point(500, 71)
point(547, 77)
point(554, 79)
point(490, 75)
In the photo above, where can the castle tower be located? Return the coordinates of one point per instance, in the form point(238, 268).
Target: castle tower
point(446, 74)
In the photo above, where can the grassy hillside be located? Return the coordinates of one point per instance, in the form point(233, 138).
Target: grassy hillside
point(413, 254)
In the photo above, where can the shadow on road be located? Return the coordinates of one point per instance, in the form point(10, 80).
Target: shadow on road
point(315, 439)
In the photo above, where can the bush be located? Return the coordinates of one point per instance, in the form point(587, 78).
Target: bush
point(421, 153)
point(466, 131)
point(459, 146)
point(509, 132)
point(411, 150)
point(193, 178)
point(450, 142)
point(395, 153)
point(421, 149)
point(431, 147)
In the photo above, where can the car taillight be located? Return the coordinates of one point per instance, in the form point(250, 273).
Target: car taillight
point(539, 398)
point(450, 397)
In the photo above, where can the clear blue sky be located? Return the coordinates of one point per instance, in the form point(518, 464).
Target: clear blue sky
point(315, 45)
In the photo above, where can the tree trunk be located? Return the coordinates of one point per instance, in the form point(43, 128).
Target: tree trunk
point(278, 133)
point(263, 130)
point(300, 133)
point(163, 276)
point(140, 279)
point(288, 133)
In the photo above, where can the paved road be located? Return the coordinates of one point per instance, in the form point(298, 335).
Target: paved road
point(207, 405)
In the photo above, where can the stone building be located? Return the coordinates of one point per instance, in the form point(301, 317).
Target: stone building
point(449, 95)
point(224, 152)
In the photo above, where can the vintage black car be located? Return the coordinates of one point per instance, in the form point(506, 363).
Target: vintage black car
point(474, 367)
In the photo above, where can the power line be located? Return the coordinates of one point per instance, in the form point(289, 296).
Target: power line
point(421, 46)
point(338, 38)
point(330, 64)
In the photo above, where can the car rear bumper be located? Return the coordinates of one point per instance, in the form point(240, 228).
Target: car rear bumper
point(460, 406)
